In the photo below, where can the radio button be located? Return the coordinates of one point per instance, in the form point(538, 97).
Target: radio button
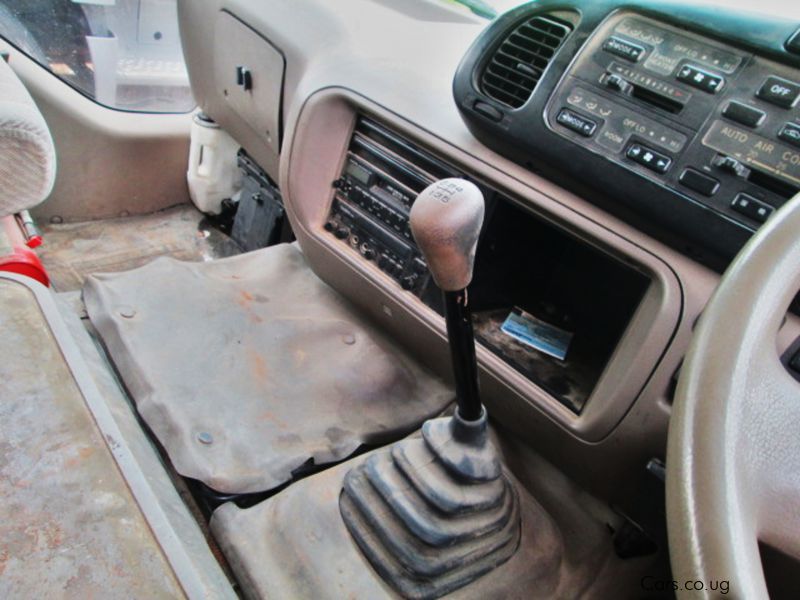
point(702, 80)
point(779, 92)
point(623, 48)
point(751, 207)
point(790, 133)
point(744, 114)
point(575, 122)
point(648, 157)
point(700, 183)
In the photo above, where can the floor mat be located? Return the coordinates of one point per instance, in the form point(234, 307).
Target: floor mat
point(250, 367)
point(295, 545)
point(73, 251)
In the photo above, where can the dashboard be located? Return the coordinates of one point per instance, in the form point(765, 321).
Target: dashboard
point(689, 136)
point(624, 160)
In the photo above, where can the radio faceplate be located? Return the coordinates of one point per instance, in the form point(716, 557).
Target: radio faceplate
point(703, 119)
point(381, 178)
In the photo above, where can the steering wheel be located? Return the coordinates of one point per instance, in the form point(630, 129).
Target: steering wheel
point(733, 455)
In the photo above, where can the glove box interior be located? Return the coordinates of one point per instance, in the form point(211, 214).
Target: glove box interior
point(567, 295)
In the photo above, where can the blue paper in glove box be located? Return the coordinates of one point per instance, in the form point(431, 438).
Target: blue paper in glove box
point(536, 333)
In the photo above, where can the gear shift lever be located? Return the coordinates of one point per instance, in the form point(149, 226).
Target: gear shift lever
point(434, 513)
point(446, 221)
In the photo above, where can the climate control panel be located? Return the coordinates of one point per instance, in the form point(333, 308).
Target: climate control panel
point(708, 121)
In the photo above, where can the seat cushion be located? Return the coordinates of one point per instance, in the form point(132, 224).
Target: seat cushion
point(27, 154)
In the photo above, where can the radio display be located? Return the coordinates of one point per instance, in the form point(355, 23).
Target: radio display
point(755, 151)
point(359, 173)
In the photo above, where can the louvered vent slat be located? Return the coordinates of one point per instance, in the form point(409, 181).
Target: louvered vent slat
point(511, 75)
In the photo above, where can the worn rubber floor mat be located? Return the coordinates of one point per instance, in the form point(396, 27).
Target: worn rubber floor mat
point(248, 367)
point(296, 545)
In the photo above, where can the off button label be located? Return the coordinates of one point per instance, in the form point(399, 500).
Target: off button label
point(780, 92)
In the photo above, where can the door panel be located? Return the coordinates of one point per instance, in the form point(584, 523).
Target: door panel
point(110, 163)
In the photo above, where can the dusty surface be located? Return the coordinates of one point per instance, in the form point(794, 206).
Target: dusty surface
point(296, 545)
point(250, 367)
point(69, 527)
point(73, 251)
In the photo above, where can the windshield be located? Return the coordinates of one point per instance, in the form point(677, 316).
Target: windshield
point(487, 9)
point(124, 54)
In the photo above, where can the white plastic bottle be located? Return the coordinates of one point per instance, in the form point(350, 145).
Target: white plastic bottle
point(213, 174)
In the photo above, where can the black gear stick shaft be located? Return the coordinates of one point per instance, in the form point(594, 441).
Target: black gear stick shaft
point(461, 509)
point(446, 220)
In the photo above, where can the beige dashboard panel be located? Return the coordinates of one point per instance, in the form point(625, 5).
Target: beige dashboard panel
point(255, 59)
point(314, 160)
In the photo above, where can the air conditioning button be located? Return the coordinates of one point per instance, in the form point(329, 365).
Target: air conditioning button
point(751, 207)
point(780, 92)
point(575, 122)
point(700, 183)
point(623, 48)
point(702, 80)
point(655, 161)
point(744, 114)
point(790, 133)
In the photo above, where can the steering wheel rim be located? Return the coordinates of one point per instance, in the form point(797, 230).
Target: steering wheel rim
point(733, 453)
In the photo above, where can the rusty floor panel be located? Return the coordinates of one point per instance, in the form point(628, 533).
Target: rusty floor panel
point(69, 526)
point(73, 251)
point(250, 367)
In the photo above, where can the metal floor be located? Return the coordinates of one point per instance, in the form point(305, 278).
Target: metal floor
point(73, 251)
point(69, 525)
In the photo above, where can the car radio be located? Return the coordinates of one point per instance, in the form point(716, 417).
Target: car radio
point(380, 180)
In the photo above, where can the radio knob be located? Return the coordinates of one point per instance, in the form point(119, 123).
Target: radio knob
point(367, 252)
point(342, 233)
point(408, 282)
point(330, 226)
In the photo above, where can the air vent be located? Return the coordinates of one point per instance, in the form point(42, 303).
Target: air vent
point(516, 66)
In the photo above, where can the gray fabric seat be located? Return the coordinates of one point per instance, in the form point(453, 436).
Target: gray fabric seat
point(27, 154)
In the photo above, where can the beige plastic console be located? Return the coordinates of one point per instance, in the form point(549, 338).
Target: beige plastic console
point(315, 159)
